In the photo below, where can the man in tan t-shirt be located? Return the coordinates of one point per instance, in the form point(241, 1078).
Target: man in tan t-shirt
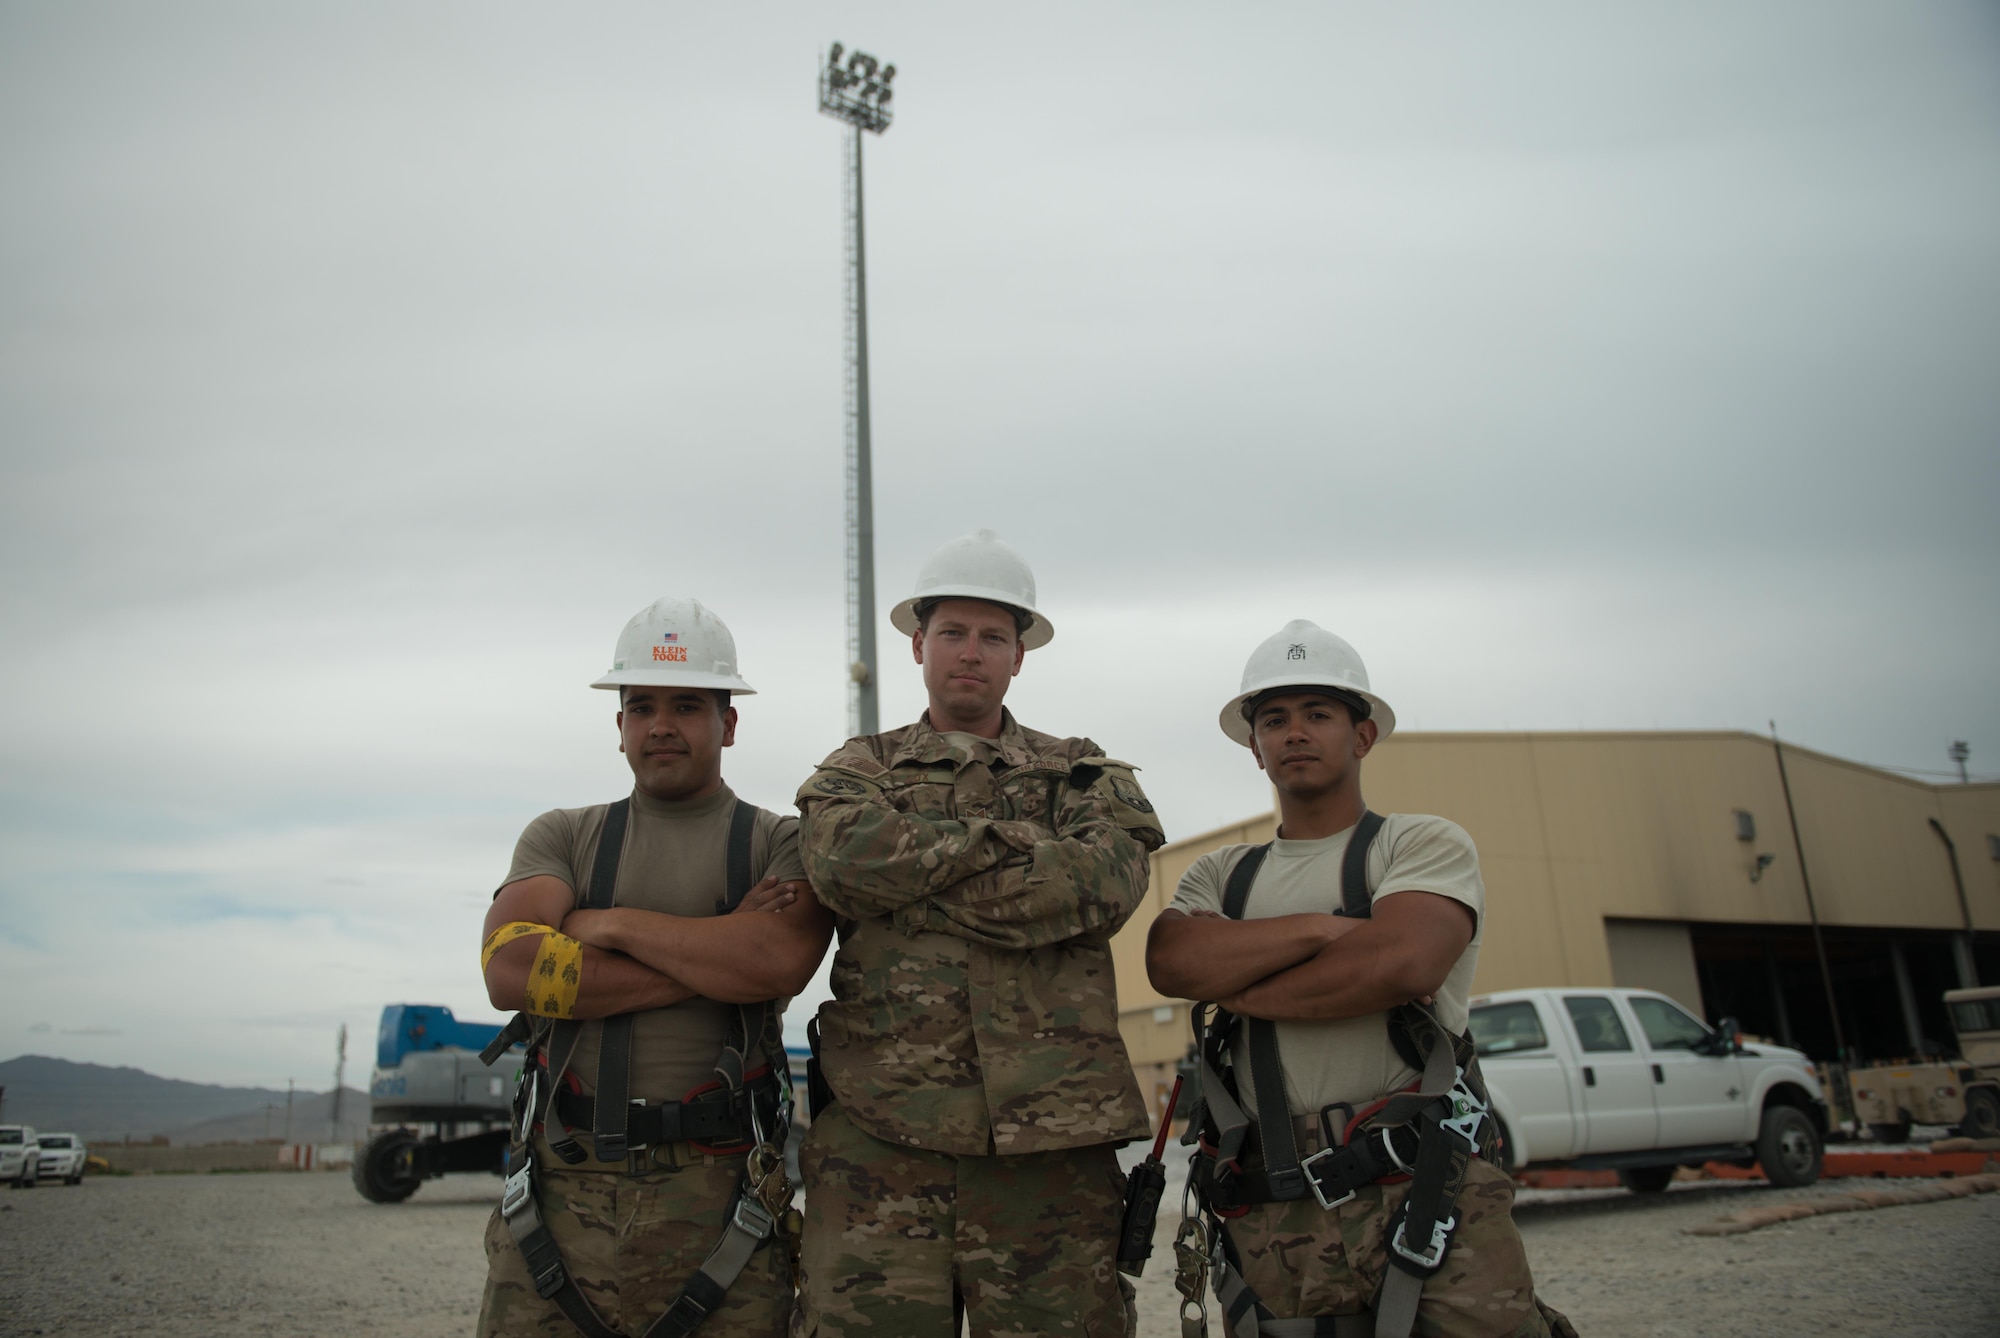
point(658, 976)
point(1323, 973)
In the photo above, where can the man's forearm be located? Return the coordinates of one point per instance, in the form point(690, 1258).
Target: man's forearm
point(611, 982)
point(1210, 957)
point(1367, 971)
point(745, 958)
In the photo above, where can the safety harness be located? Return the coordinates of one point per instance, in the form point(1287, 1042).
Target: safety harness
point(746, 1109)
point(1427, 1134)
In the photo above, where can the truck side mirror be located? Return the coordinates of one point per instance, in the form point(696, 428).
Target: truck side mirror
point(1723, 1041)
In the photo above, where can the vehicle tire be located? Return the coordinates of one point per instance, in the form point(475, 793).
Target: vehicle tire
point(382, 1170)
point(1788, 1147)
point(1646, 1179)
point(1890, 1133)
point(1982, 1114)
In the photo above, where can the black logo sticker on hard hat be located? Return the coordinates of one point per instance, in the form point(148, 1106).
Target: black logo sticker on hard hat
point(1296, 651)
point(1130, 795)
point(838, 785)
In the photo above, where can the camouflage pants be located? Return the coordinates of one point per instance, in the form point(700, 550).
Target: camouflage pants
point(893, 1235)
point(1302, 1259)
point(632, 1242)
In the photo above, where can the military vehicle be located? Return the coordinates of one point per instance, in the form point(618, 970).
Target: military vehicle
point(1962, 1092)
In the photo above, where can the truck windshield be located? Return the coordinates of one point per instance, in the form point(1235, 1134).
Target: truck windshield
point(1502, 1028)
point(1975, 1015)
point(10, 1136)
point(57, 1142)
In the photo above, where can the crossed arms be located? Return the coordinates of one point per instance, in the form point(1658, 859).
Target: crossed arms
point(1293, 968)
point(1005, 883)
point(633, 960)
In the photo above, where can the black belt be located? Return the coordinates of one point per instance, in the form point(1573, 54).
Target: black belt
point(718, 1120)
point(1332, 1175)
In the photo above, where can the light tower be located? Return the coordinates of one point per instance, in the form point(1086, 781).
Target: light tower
point(857, 91)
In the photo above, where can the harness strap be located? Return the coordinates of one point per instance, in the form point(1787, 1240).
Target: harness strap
point(749, 1227)
point(614, 1052)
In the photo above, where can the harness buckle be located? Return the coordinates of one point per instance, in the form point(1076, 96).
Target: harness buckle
point(518, 1191)
point(752, 1218)
point(1431, 1256)
point(1312, 1180)
point(1467, 1112)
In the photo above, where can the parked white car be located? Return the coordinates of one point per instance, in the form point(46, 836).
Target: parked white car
point(62, 1159)
point(1628, 1080)
point(19, 1156)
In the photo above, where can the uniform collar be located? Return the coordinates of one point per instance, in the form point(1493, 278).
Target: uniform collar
point(645, 804)
point(925, 745)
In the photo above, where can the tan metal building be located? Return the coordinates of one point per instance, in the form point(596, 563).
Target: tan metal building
point(1667, 861)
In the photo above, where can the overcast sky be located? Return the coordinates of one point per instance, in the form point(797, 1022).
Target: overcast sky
point(363, 367)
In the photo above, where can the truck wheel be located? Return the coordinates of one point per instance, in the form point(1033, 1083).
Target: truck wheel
point(1646, 1179)
point(1982, 1114)
point(1788, 1147)
point(382, 1171)
point(1891, 1133)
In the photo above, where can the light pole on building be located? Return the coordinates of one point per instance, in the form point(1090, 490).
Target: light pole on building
point(854, 88)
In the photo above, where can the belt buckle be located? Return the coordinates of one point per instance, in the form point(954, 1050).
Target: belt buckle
point(751, 1217)
point(1432, 1257)
point(1312, 1180)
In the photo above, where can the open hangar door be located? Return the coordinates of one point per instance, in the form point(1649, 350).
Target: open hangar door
point(1768, 978)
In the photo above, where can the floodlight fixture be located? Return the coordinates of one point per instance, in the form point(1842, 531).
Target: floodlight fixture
point(857, 91)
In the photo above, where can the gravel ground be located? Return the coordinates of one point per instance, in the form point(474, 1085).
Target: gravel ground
point(305, 1255)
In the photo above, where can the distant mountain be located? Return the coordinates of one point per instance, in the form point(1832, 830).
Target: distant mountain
point(106, 1104)
point(310, 1121)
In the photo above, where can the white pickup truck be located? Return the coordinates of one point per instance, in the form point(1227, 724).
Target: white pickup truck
point(63, 1157)
point(1629, 1081)
point(20, 1159)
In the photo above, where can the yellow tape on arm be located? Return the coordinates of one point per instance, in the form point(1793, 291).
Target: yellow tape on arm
point(555, 977)
point(506, 934)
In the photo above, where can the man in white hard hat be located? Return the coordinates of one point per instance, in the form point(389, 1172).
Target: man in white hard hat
point(1333, 1056)
point(972, 1086)
point(651, 944)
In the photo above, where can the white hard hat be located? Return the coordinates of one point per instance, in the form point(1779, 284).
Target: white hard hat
point(675, 643)
point(977, 566)
point(1304, 655)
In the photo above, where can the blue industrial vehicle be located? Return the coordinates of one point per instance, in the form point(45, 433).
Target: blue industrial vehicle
point(445, 1111)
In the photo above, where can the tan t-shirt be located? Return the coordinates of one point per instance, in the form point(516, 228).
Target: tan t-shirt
point(675, 860)
point(1349, 1059)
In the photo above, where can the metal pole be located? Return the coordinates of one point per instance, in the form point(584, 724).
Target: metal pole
point(1961, 944)
point(339, 1081)
point(1812, 911)
point(866, 717)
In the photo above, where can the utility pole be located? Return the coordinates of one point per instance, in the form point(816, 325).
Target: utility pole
point(1960, 750)
point(339, 1081)
point(1812, 910)
point(857, 93)
point(288, 1109)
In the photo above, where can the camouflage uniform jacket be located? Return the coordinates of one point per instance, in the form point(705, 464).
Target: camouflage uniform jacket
point(974, 1007)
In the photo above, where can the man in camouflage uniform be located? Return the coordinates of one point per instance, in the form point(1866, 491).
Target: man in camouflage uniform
point(634, 1226)
point(1283, 945)
point(979, 1085)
